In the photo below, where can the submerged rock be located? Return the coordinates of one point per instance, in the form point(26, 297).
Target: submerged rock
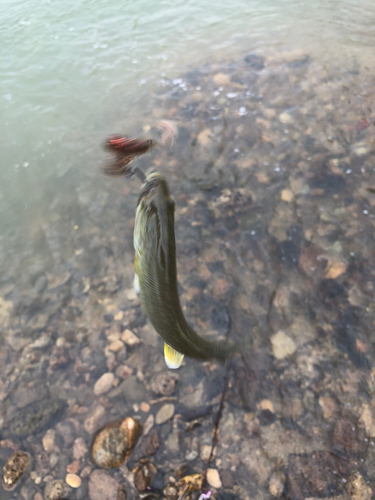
point(14, 468)
point(113, 444)
point(34, 417)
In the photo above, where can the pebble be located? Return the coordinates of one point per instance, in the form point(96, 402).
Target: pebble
point(287, 195)
point(104, 383)
point(335, 270)
point(102, 486)
point(143, 476)
point(282, 345)
point(113, 444)
point(14, 468)
point(150, 420)
point(119, 316)
point(213, 478)
point(79, 448)
point(359, 490)
point(116, 346)
point(328, 405)
point(221, 79)
point(145, 407)
point(95, 420)
point(73, 480)
point(165, 413)
point(48, 440)
point(368, 420)
point(164, 383)
point(277, 484)
point(74, 467)
point(54, 490)
point(286, 118)
point(129, 338)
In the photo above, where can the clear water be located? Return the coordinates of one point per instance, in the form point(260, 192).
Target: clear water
point(73, 72)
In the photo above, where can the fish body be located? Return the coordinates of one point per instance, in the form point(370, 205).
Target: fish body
point(156, 271)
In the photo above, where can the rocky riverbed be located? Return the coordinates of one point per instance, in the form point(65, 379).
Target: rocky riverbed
point(272, 174)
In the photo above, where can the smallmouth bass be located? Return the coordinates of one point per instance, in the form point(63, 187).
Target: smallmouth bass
point(156, 270)
point(155, 261)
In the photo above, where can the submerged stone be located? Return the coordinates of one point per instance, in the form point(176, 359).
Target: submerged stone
point(35, 417)
point(14, 468)
point(113, 444)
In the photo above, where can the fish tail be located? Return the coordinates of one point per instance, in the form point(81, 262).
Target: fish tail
point(173, 358)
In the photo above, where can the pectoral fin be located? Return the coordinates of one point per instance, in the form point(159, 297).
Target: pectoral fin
point(173, 359)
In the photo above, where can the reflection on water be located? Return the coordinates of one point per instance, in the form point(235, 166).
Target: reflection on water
point(275, 238)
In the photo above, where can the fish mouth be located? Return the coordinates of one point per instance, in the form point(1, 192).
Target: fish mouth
point(149, 185)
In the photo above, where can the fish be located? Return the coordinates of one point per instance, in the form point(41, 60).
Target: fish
point(156, 272)
point(155, 253)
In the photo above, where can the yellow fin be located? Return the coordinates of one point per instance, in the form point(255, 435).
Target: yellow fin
point(136, 284)
point(173, 359)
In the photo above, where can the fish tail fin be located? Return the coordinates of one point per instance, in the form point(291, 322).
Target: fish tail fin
point(173, 358)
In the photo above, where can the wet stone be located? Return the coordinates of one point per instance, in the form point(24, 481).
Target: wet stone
point(121, 493)
point(55, 490)
point(14, 468)
point(60, 357)
point(113, 444)
point(255, 61)
point(316, 475)
point(143, 476)
point(164, 383)
point(102, 486)
point(104, 383)
point(165, 413)
point(170, 491)
point(348, 438)
point(35, 417)
point(213, 478)
point(277, 484)
point(151, 443)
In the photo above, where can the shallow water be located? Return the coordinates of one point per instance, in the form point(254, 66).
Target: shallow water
point(274, 230)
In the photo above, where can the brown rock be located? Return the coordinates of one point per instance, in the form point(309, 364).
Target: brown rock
point(60, 357)
point(129, 338)
point(277, 484)
point(102, 486)
point(328, 405)
point(74, 467)
point(54, 490)
point(14, 468)
point(164, 383)
point(113, 444)
point(151, 443)
point(358, 488)
point(121, 493)
point(143, 476)
point(221, 79)
point(316, 475)
point(170, 491)
point(311, 261)
point(348, 438)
